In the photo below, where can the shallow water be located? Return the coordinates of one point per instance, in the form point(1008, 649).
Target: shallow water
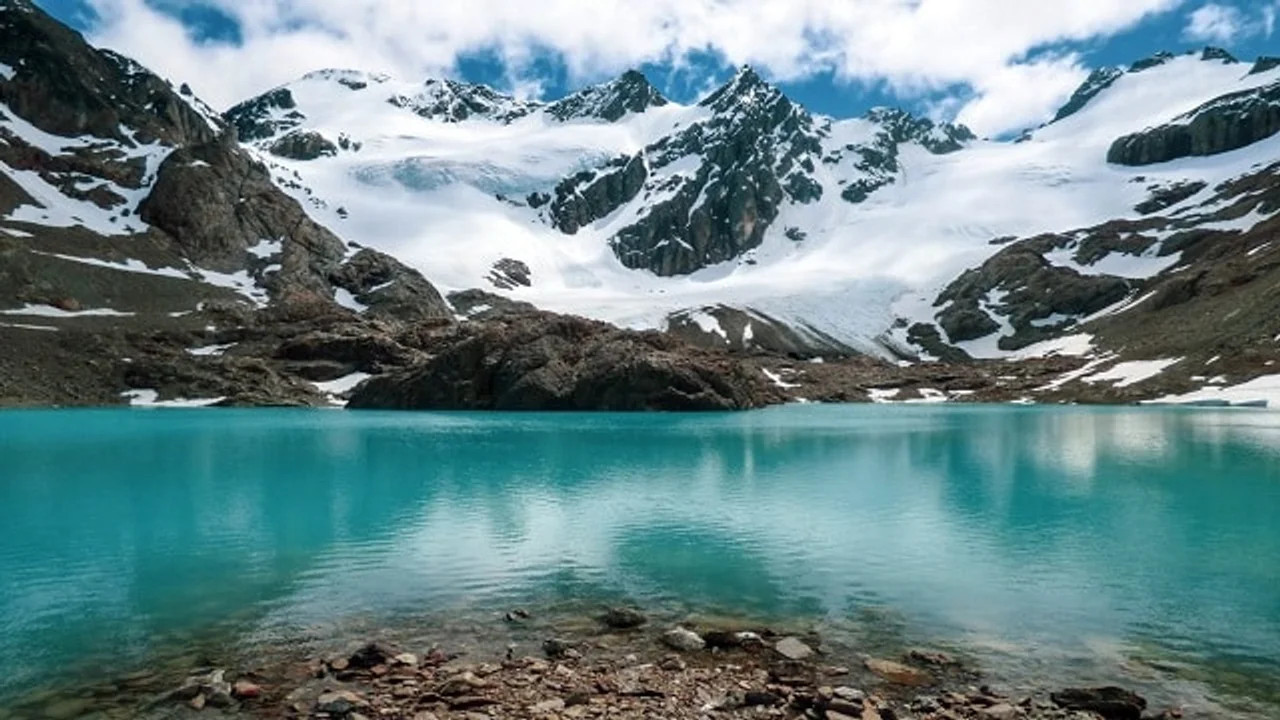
point(1138, 546)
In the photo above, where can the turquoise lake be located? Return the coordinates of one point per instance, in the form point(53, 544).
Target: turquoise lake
point(1129, 545)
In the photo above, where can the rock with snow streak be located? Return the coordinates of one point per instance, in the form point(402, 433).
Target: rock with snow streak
point(1226, 123)
point(630, 93)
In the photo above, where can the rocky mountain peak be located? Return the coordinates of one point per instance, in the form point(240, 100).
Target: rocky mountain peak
point(1098, 80)
point(630, 93)
point(746, 89)
point(904, 127)
point(453, 101)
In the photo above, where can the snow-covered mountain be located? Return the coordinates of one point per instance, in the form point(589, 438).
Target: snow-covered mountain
point(629, 208)
point(1137, 226)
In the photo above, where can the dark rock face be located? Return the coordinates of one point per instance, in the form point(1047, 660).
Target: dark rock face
point(550, 362)
point(508, 274)
point(1263, 64)
point(390, 288)
point(1156, 60)
point(631, 93)
point(255, 119)
point(303, 145)
point(1216, 53)
point(1166, 196)
point(65, 87)
point(592, 194)
point(746, 330)
point(749, 150)
point(1221, 125)
point(216, 203)
point(1112, 703)
point(1020, 284)
point(1098, 80)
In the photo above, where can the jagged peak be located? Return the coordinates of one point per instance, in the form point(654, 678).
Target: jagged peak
point(630, 92)
point(1211, 53)
point(1151, 61)
point(1098, 80)
point(1264, 63)
point(746, 87)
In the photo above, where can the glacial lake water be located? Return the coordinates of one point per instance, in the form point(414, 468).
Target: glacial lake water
point(1049, 545)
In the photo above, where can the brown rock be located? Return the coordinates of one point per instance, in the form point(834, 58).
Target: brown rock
point(246, 690)
point(898, 673)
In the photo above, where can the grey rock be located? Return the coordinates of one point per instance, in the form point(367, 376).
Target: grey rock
point(623, 618)
point(1112, 703)
point(793, 649)
point(1227, 123)
point(683, 640)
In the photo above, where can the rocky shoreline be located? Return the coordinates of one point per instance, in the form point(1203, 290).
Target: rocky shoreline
point(625, 666)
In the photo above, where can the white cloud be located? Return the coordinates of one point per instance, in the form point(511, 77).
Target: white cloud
point(911, 45)
point(1215, 22)
point(1225, 24)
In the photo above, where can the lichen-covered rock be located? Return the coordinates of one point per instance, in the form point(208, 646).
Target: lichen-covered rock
point(1227, 123)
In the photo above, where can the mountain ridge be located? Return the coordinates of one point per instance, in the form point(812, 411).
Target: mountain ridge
point(339, 203)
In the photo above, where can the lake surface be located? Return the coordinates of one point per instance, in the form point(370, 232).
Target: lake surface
point(1138, 546)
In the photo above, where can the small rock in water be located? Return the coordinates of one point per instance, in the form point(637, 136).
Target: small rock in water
point(517, 615)
point(683, 640)
point(623, 618)
point(1112, 703)
point(898, 673)
point(370, 656)
point(793, 649)
point(931, 657)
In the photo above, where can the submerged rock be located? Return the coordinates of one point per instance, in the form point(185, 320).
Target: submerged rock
point(622, 618)
point(898, 673)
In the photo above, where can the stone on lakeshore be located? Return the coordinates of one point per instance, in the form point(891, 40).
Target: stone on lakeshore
point(406, 659)
point(761, 698)
point(339, 702)
point(1000, 711)
point(461, 684)
point(844, 706)
point(683, 640)
point(547, 707)
point(623, 618)
point(370, 656)
point(556, 648)
point(471, 702)
point(793, 649)
point(898, 673)
point(1112, 703)
point(246, 690)
point(672, 663)
point(850, 694)
point(426, 715)
point(833, 715)
point(196, 703)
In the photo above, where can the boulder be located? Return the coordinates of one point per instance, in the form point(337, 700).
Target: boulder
point(683, 640)
point(1112, 703)
point(899, 674)
point(623, 618)
point(793, 649)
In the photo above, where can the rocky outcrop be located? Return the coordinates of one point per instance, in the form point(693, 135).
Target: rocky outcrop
point(1034, 296)
point(509, 274)
point(1221, 125)
point(592, 194)
point(390, 288)
point(303, 145)
point(1098, 80)
point(631, 93)
point(903, 127)
point(549, 362)
point(265, 116)
point(452, 101)
point(721, 327)
point(1263, 64)
point(1164, 197)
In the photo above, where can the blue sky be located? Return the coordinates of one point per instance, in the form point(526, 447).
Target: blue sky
point(828, 61)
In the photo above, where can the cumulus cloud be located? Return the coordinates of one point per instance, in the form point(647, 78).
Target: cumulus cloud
point(1225, 24)
point(911, 46)
point(1215, 22)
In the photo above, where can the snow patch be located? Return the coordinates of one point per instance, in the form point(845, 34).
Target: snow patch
point(1133, 372)
point(343, 297)
point(1259, 392)
point(777, 380)
point(210, 350)
point(54, 312)
point(151, 398)
point(7, 72)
